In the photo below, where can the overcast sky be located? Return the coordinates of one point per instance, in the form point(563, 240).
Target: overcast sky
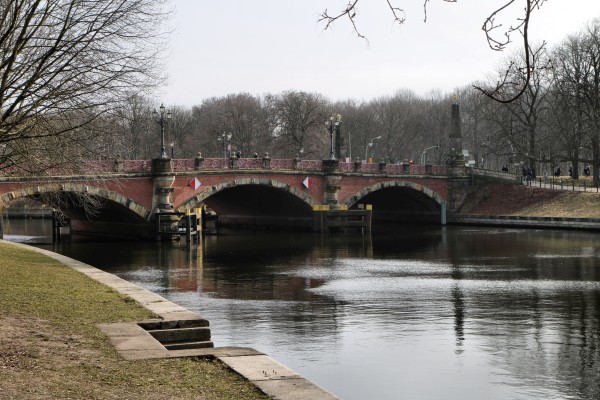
point(269, 46)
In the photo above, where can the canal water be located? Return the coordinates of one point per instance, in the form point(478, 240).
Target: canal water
point(425, 313)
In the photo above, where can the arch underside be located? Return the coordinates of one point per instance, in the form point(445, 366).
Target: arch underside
point(90, 209)
point(256, 202)
point(398, 201)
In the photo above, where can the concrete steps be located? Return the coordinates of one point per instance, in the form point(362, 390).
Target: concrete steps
point(180, 334)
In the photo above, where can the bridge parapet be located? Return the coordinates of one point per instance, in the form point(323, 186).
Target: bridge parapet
point(500, 175)
point(108, 167)
point(185, 165)
point(394, 169)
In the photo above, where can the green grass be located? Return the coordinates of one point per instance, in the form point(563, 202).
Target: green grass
point(60, 352)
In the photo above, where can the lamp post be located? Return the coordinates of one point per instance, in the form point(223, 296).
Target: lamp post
point(369, 145)
point(424, 154)
point(225, 140)
point(172, 146)
point(333, 125)
point(160, 119)
point(301, 152)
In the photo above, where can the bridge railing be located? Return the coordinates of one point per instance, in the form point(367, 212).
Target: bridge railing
point(490, 173)
point(107, 167)
point(394, 169)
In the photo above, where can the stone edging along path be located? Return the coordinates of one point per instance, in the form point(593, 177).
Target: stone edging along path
point(592, 224)
point(135, 343)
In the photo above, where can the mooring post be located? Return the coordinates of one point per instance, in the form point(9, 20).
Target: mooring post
point(157, 220)
point(199, 225)
point(55, 227)
point(369, 218)
point(188, 227)
point(320, 217)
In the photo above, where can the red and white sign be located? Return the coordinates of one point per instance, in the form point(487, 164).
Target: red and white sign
point(307, 182)
point(194, 183)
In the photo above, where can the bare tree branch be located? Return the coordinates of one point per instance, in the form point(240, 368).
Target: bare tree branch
point(490, 27)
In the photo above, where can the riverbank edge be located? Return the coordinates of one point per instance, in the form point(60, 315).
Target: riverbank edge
point(134, 343)
point(592, 224)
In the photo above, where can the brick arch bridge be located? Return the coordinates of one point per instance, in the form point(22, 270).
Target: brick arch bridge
point(246, 191)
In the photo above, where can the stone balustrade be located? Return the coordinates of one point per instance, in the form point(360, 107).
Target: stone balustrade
point(108, 167)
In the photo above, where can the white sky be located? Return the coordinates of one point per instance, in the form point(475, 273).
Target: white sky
point(268, 46)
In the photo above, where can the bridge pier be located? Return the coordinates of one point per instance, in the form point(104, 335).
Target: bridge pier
point(162, 202)
point(332, 184)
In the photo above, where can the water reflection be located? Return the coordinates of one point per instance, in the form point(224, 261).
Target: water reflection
point(447, 313)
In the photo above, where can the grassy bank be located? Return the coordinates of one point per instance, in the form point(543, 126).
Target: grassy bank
point(50, 347)
point(519, 200)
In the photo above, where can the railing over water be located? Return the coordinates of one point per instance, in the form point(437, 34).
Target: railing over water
point(110, 167)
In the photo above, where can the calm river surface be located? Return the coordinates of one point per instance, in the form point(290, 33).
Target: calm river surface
point(430, 313)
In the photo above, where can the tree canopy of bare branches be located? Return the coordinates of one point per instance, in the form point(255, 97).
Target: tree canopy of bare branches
point(63, 63)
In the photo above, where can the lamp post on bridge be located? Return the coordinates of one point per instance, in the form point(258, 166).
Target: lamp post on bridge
point(160, 119)
point(369, 146)
point(333, 125)
point(172, 146)
point(424, 154)
point(225, 140)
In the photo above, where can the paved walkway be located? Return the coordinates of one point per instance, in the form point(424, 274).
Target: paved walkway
point(135, 343)
point(559, 185)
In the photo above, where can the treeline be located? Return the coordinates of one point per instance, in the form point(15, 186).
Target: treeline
point(555, 121)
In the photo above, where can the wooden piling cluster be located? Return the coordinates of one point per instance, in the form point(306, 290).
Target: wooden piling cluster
point(175, 225)
point(326, 219)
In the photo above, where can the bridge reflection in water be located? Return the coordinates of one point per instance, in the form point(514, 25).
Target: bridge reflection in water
point(427, 313)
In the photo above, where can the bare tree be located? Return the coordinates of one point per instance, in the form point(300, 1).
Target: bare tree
point(64, 64)
point(528, 92)
point(432, 127)
point(396, 120)
point(133, 127)
point(241, 115)
point(358, 126)
point(299, 122)
point(179, 133)
point(577, 85)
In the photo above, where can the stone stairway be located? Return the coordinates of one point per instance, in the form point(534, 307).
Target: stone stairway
point(180, 334)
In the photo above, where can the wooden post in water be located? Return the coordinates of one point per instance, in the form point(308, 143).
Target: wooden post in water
point(188, 227)
point(369, 218)
point(55, 227)
point(199, 224)
point(320, 217)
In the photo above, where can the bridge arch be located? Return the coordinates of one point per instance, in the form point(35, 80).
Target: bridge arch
point(352, 200)
point(206, 193)
point(256, 202)
point(134, 209)
point(421, 202)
